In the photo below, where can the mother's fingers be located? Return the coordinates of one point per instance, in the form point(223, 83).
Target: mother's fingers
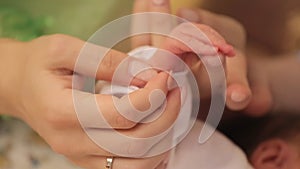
point(82, 141)
point(99, 162)
point(101, 111)
point(140, 139)
point(78, 143)
point(100, 62)
point(140, 23)
point(72, 54)
point(132, 108)
point(143, 140)
point(75, 143)
point(161, 22)
point(238, 90)
point(161, 124)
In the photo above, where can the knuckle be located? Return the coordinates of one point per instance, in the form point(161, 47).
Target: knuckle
point(136, 148)
point(55, 114)
point(109, 62)
point(123, 122)
point(59, 38)
point(58, 44)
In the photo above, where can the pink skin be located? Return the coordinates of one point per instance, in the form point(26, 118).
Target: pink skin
point(238, 91)
point(36, 87)
point(210, 44)
point(201, 38)
point(189, 39)
point(239, 94)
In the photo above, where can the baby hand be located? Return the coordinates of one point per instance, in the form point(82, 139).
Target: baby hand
point(239, 94)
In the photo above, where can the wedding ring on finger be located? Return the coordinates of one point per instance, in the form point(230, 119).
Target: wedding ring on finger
point(109, 162)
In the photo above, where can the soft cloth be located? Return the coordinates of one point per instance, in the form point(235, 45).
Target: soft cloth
point(217, 153)
point(146, 58)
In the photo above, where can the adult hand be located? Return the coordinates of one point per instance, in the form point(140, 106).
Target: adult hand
point(151, 23)
point(36, 86)
point(193, 34)
point(238, 91)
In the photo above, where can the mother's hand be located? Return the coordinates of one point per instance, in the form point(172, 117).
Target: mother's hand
point(36, 86)
point(152, 23)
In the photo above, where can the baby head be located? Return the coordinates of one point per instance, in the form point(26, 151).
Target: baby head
point(271, 142)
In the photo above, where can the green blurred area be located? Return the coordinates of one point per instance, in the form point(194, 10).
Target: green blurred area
point(27, 19)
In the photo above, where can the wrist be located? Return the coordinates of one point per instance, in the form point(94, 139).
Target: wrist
point(10, 64)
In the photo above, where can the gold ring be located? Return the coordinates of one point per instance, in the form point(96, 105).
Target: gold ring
point(109, 162)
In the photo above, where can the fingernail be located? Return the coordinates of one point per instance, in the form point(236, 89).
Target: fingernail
point(228, 50)
point(158, 2)
point(147, 74)
point(171, 82)
point(190, 15)
point(238, 97)
point(183, 91)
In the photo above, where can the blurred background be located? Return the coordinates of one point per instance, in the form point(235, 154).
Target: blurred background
point(20, 147)
point(32, 18)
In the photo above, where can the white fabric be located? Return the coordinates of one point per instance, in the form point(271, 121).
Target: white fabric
point(217, 153)
point(145, 54)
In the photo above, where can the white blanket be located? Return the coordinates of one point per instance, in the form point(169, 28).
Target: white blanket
point(217, 153)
